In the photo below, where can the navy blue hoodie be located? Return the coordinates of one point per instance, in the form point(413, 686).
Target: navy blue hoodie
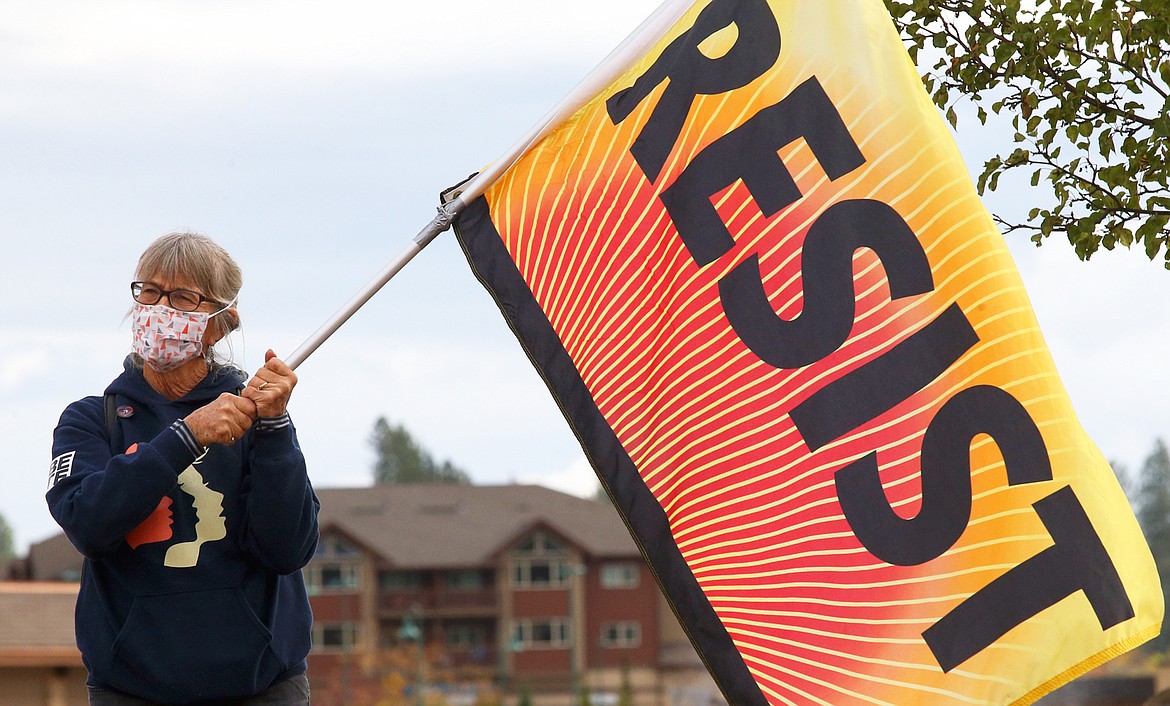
point(191, 588)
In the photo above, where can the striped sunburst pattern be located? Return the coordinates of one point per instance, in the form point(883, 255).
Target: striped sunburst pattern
point(817, 618)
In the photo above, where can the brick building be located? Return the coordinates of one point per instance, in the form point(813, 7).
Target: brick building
point(510, 588)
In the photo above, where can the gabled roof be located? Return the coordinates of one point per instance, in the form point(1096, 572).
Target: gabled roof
point(54, 559)
point(436, 525)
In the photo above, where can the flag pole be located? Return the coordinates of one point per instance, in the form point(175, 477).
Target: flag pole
point(606, 72)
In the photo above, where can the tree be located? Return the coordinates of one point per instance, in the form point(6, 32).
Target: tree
point(626, 691)
point(1125, 480)
point(7, 545)
point(1087, 86)
point(1153, 514)
point(525, 696)
point(402, 460)
point(600, 495)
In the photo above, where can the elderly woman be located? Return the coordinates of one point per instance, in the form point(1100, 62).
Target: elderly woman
point(186, 491)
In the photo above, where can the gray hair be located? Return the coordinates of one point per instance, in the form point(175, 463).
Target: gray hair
point(195, 259)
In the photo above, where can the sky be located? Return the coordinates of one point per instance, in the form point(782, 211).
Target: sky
point(311, 139)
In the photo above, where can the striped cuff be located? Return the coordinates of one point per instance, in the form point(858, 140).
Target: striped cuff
point(272, 423)
point(188, 437)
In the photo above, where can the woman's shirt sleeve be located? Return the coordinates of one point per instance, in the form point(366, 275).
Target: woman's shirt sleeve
point(280, 526)
point(98, 496)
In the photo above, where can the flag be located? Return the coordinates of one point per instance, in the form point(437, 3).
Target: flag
point(756, 277)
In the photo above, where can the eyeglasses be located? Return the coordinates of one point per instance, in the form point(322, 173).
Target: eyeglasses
point(181, 299)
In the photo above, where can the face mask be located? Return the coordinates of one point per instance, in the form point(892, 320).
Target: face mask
point(167, 338)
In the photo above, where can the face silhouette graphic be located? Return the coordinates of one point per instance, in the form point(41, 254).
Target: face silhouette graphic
point(210, 524)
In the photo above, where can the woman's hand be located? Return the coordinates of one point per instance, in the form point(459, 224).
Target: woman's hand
point(222, 421)
point(271, 387)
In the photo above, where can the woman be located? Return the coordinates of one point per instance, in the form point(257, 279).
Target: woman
point(187, 493)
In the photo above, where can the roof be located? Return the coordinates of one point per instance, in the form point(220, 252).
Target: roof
point(433, 525)
point(54, 559)
point(36, 624)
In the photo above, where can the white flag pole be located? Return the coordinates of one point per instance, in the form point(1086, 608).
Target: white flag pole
point(606, 72)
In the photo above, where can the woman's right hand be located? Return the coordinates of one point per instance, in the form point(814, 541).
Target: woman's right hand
point(222, 421)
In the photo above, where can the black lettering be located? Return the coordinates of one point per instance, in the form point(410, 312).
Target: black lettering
point(750, 153)
point(692, 74)
point(879, 385)
point(946, 477)
point(1077, 561)
point(827, 275)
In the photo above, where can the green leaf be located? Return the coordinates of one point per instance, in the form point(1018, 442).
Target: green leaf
point(1114, 175)
point(1020, 156)
point(940, 96)
point(1153, 234)
point(1105, 143)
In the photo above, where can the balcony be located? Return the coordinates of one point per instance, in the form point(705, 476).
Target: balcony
point(443, 602)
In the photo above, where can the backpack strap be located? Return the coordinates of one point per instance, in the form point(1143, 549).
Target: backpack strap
point(113, 429)
point(111, 416)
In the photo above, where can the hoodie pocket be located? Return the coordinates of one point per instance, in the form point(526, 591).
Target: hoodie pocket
point(193, 646)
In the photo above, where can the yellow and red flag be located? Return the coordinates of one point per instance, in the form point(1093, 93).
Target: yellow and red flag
point(756, 276)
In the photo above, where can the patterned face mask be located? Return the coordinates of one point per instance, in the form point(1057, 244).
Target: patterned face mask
point(167, 338)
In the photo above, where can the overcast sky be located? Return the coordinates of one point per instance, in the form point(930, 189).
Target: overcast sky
point(311, 138)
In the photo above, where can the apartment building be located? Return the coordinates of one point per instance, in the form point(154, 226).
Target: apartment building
point(503, 590)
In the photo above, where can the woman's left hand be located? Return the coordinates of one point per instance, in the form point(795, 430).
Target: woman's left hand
point(271, 387)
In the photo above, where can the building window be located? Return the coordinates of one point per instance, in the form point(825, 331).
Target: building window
point(626, 574)
point(539, 573)
point(399, 580)
point(538, 633)
point(538, 562)
point(463, 580)
point(465, 637)
point(331, 547)
point(623, 633)
point(334, 637)
point(540, 543)
point(325, 578)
